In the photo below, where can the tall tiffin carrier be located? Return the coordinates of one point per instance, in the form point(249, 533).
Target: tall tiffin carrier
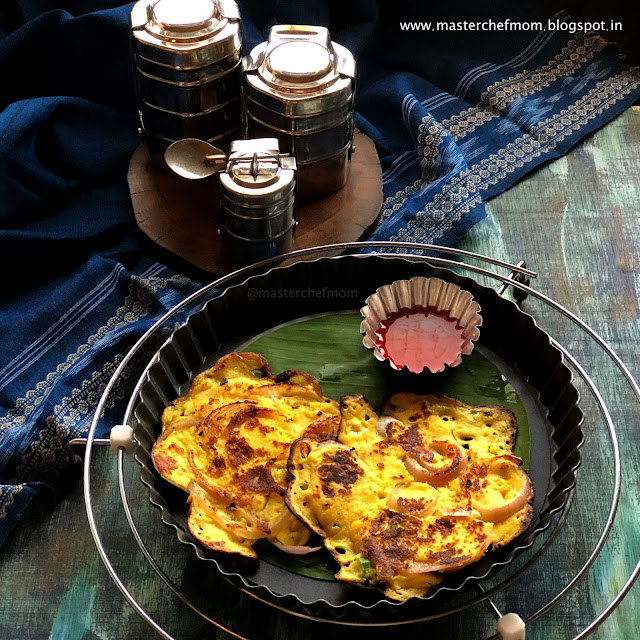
point(186, 62)
point(299, 87)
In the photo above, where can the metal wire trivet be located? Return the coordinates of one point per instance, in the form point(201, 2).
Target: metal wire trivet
point(518, 279)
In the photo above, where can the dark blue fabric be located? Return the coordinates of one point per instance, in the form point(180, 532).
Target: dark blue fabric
point(456, 117)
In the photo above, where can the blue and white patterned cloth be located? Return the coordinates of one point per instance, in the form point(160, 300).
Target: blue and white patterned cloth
point(457, 118)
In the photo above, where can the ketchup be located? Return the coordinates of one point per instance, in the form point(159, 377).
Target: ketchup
point(420, 337)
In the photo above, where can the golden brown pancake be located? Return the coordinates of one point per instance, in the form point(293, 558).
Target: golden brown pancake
point(227, 441)
point(403, 503)
point(483, 431)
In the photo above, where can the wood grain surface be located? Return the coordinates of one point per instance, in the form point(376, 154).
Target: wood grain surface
point(577, 222)
point(182, 215)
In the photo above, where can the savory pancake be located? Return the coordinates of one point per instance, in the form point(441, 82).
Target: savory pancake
point(482, 431)
point(232, 378)
point(400, 504)
point(227, 441)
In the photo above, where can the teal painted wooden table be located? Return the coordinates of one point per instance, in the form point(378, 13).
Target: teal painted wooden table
point(577, 222)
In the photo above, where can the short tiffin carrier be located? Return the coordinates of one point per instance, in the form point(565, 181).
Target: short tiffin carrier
point(256, 193)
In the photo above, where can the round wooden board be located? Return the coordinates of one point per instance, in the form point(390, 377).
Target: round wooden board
point(182, 215)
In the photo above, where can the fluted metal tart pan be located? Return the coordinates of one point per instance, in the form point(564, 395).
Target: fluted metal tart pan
point(510, 339)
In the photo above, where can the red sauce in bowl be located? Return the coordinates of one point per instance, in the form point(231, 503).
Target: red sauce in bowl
point(420, 337)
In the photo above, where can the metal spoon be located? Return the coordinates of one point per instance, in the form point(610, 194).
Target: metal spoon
point(194, 159)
